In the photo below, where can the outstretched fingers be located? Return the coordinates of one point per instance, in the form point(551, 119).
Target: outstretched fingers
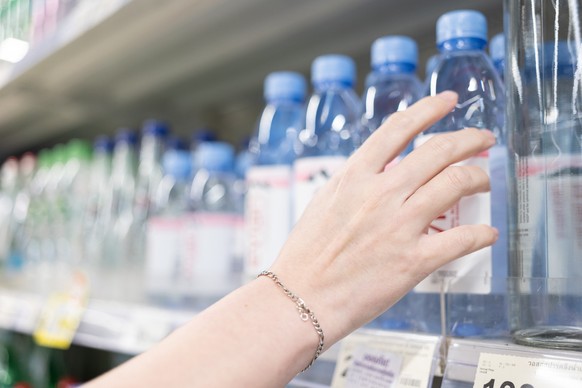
point(399, 129)
point(442, 192)
point(449, 245)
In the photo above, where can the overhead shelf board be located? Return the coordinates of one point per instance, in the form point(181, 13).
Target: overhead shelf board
point(191, 62)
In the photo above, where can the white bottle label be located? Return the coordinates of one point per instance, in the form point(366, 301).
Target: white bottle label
point(471, 273)
point(209, 263)
point(310, 174)
point(549, 220)
point(164, 249)
point(267, 215)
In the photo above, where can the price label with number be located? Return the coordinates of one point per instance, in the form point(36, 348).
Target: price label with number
point(508, 371)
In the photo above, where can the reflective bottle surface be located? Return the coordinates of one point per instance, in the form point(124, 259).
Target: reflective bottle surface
point(545, 128)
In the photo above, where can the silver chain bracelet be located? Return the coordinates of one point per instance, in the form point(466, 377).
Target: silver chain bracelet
point(304, 313)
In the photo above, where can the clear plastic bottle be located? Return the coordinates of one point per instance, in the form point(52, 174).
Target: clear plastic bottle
point(121, 236)
point(167, 274)
point(75, 189)
point(497, 53)
point(392, 85)
point(20, 212)
point(332, 129)
point(8, 191)
point(271, 150)
point(98, 214)
point(211, 229)
point(429, 66)
point(149, 175)
point(475, 284)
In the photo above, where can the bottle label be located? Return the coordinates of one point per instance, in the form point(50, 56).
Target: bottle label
point(472, 273)
point(208, 264)
point(164, 252)
point(549, 220)
point(310, 174)
point(267, 214)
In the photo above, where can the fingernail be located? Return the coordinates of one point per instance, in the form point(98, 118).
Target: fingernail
point(448, 96)
point(496, 232)
point(492, 138)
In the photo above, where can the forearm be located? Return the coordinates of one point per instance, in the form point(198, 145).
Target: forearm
point(253, 337)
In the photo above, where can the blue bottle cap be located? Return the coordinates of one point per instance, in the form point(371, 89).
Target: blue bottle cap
point(125, 135)
point(203, 134)
point(566, 56)
point(155, 128)
point(287, 85)
point(394, 49)
point(333, 68)
point(103, 144)
point(175, 143)
point(461, 24)
point(215, 156)
point(497, 47)
point(177, 163)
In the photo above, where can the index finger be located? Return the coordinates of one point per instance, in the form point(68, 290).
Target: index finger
point(399, 129)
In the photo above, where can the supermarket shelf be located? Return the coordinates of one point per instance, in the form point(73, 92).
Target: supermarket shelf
point(192, 62)
point(112, 326)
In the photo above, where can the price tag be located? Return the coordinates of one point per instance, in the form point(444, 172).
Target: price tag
point(507, 371)
point(395, 360)
point(61, 315)
point(373, 368)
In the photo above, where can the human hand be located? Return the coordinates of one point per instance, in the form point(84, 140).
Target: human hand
point(362, 244)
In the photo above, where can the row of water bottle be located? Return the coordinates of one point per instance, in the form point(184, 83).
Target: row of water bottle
point(147, 220)
point(298, 146)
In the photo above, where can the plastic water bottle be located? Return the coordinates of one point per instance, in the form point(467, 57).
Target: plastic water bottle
point(430, 65)
point(121, 237)
point(475, 284)
point(149, 175)
point(98, 215)
point(392, 85)
point(75, 189)
point(332, 129)
point(211, 229)
point(166, 266)
point(497, 53)
point(8, 191)
point(268, 201)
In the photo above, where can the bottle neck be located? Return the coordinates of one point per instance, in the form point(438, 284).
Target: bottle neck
point(462, 44)
point(284, 101)
point(323, 86)
point(395, 68)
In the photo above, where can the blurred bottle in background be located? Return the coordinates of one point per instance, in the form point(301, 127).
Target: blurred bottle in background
point(497, 53)
point(120, 237)
point(8, 192)
point(168, 274)
point(476, 304)
point(149, 175)
point(98, 213)
point(211, 229)
point(332, 128)
point(268, 215)
point(75, 189)
point(16, 264)
point(392, 85)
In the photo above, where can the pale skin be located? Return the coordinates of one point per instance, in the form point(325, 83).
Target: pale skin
point(359, 247)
